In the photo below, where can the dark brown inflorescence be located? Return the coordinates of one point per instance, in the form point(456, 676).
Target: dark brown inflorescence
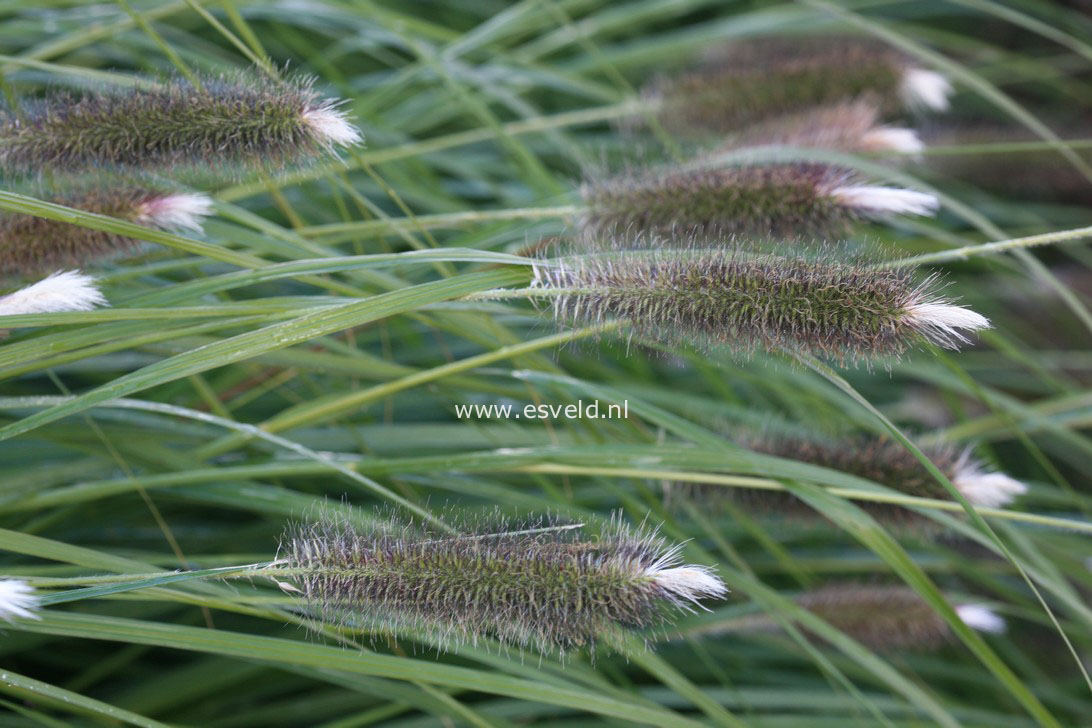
point(543, 587)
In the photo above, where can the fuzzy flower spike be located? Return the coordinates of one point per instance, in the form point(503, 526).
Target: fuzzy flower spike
point(783, 200)
point(546, 588)
point(30, 244)
point(892, 617)
point(852, 126)
point(887, 618)
point(763, 78)
point(247, 122)
point(880, 460)
point(746, 301)
point(17, 600)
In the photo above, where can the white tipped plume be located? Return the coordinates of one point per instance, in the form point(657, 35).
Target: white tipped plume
point(981, 617)
point(943, 323)
point(685, 583)
point(67, 291)
point(982, 488)
point(17, 600)
point(175, 212)
point(892, 139)
point(921, 89)
point(331, 126)
point(880, 201)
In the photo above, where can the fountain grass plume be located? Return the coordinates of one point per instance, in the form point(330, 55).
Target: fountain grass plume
point(885, 618)
point(549, 586)
point(226, 121)
point(744, 300)
point(853, 127)
point(794, 200)
point(755, 79)
point(879, 460)
point(889, 618)
point(30, 244)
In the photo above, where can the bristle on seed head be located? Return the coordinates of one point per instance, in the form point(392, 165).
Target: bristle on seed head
point(550, 588)
point(689, 583)
point(984, 488)
point(175, 212)
point(67, 291)
point(17, 599)
point(330, 124)
point(943, 323)
point(892, 139)
point(981, 618)
point(922, 89)
point(875, 201)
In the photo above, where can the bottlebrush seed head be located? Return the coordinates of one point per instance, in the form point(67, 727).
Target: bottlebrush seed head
point(880, 460)
point(781, 200)
point(768, 77)
point(891, 617)
point(852, 127)
point(17, 599)
point(30, 244)
point(550, 589)
point(246, 122)
point(67, 291)
point(726, 297)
